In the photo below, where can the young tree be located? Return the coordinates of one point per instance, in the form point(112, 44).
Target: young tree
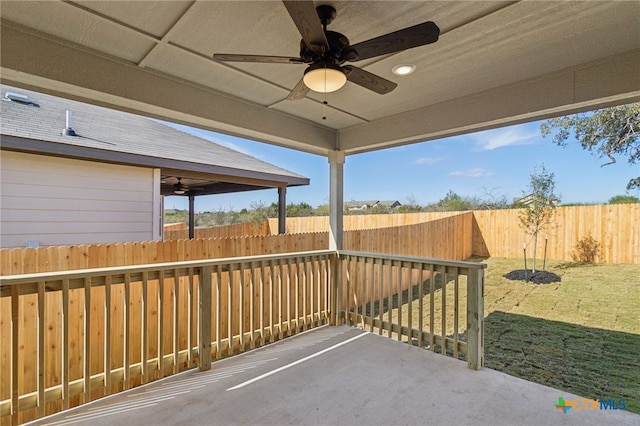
point(540, 207)
point(610, 132)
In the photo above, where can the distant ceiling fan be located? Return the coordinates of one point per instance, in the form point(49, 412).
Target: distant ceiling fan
point(327, 51)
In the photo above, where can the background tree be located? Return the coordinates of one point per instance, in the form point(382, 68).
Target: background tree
point(411, 205)
point(624, 199)
point(609, 132)
point(540, 207)
point(454, 202)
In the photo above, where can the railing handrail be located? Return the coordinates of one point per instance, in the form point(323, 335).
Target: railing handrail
point(427, 260)
point(148, 267)
point(110, 270)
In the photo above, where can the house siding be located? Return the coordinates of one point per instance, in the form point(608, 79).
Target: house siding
point(60, 201)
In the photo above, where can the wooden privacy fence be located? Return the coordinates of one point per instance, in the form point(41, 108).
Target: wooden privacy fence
point(448, 238)
point(297, 225)
point(74, 336)
point(179, 231)
point(616, 228)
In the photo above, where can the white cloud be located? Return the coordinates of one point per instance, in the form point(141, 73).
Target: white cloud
point(427, 160)
point(472, 173)
point(499, 138)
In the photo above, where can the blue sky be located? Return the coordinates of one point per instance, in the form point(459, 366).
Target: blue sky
point(497, 161)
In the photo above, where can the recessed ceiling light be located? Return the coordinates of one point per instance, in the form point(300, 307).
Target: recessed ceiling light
point(403, 69)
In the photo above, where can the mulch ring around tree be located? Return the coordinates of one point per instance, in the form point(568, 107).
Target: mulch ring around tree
point(539, 277)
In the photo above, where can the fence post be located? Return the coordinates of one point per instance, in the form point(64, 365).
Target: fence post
point(204, 318)
point(475, 319)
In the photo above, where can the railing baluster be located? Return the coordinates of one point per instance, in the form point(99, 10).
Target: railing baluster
point(176, 319)
point(15, 354)
point(86, 371)
point(65, 344)
point(420, 305)
point(230, 312)
point(280, 300)
point(312, 290)
point(107, 335)
point(347, 302)
point(302, 271)
point(432, 304)
point(288, 297)
point(144, 336)
point(400, 291)
point(271, 300)
point(262, 311)
point(241, 308)
point(319, 282)
point(218, 312)
point(42, 403)
point(252, 302)
point(190, 317)
point(390, 297)
point(126, 332)
point(380, 269)
point(296, 288)
point(443, 294)
point(410, 304)
point(161, 325)
point(456, 312)
point(372, 293)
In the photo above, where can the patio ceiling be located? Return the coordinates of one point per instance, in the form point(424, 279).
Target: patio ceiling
point(496, 63)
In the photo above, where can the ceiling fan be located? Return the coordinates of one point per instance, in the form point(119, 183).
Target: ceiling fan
point(326, 51)
point(179, 188)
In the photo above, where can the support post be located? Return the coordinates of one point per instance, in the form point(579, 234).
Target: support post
point(475, 319)
point(335, 291)
point(282, 210)
point(336, 199)
point(204, 318)
point(192, 217)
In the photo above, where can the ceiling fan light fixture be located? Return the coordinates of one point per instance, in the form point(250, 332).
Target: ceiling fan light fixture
point(403, 69)
point(179, 191)
point(324, 78)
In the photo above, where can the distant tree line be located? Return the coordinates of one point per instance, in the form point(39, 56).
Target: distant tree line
point(452, 201)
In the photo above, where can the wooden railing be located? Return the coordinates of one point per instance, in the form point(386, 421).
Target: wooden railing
point(430, 303)
point(111, 329)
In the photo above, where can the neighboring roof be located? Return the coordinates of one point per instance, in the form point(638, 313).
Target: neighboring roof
point(107, 135)
point(358, 204)
point(530, 198)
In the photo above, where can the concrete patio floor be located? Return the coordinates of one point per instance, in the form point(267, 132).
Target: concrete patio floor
point(338, 375)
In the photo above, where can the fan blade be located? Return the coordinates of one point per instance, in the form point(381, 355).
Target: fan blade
point(224, 57)
point(415, 36)
point(306, 18)
point(298, 92)
point(368, 80)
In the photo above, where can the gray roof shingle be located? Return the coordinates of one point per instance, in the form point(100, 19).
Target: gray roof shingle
point(112, 133)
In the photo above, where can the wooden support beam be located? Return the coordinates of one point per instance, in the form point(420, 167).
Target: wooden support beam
point(204, 318)
point(475, 319)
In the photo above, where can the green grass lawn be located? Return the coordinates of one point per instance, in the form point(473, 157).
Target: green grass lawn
point(581, 335)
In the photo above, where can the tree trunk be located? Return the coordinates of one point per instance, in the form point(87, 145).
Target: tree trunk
point(535, 245)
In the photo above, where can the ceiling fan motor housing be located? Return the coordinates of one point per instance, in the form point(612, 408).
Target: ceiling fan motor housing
point(339, 50)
